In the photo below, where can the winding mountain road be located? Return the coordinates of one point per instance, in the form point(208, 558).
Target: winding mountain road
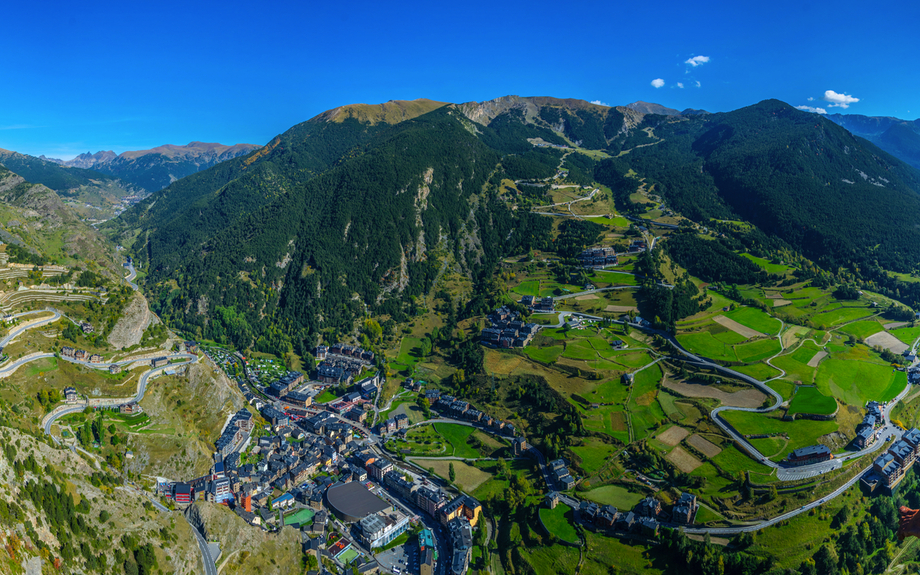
point(784, 473)
point(132, 273)
point(21, 328)
point(108, 402)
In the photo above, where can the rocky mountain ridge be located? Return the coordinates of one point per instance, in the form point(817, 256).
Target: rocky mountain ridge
point(156, 168)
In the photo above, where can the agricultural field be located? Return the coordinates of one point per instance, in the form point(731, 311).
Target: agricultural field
point(410, 354)
point(795, 364)
point(839, 316)
point(708, 345)
point(908, 335)
point(760, 371)
point(593, 454)
point(757, 350)
point(767, 265)
point(862, 329)
point(755, 319)
point(856, 382)
point(810, 400)
point(644, 410)
point(731, 461)
point(495, 486)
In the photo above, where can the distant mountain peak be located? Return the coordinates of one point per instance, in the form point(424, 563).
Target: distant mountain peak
point(651, 108)
point(88, 160)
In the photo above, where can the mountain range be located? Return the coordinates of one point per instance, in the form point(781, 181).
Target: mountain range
point(900, 138)
point(345, 209)
point(156, 168)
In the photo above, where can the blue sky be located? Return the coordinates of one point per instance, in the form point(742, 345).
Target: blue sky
point(83, 77)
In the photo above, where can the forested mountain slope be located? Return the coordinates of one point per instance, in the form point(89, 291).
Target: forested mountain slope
point(900, 138)
point(343, 210)
point(796, 175)
point(328, 210)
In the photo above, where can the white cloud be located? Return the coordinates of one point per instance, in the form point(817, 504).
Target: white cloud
point(697, 83)
point(599, 103)
point(812, 110)
point(680, 84)
point(658, 82)
point(697, 61)
point(839, 100)
point(810, 99)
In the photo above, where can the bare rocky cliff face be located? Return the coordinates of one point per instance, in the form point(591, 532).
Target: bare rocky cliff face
point(130, 327)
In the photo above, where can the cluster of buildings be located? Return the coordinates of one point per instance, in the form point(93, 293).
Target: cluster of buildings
point(80, 355)
point(340, 363)
point(379, 523)
point(644, 518)
point(539, 305)
point(913, 373)
point(891, 467)
point(867, 431)
point(282, 461)
point(284, 385)
point(561, 474)
point(637, 246)
point(507, 330)
point(598, 257)
point(393, 424)
point(459, 409)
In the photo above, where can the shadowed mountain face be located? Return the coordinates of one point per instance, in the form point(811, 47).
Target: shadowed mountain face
point(900, 138)
point(344, 210)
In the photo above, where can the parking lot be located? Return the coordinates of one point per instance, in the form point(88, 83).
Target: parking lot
point(404, 558)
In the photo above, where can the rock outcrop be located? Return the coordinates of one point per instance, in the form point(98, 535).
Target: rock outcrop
point(134, 320)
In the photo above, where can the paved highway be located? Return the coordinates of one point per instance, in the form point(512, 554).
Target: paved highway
point(129, 279)
point(777, 519)
point(209, 567)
